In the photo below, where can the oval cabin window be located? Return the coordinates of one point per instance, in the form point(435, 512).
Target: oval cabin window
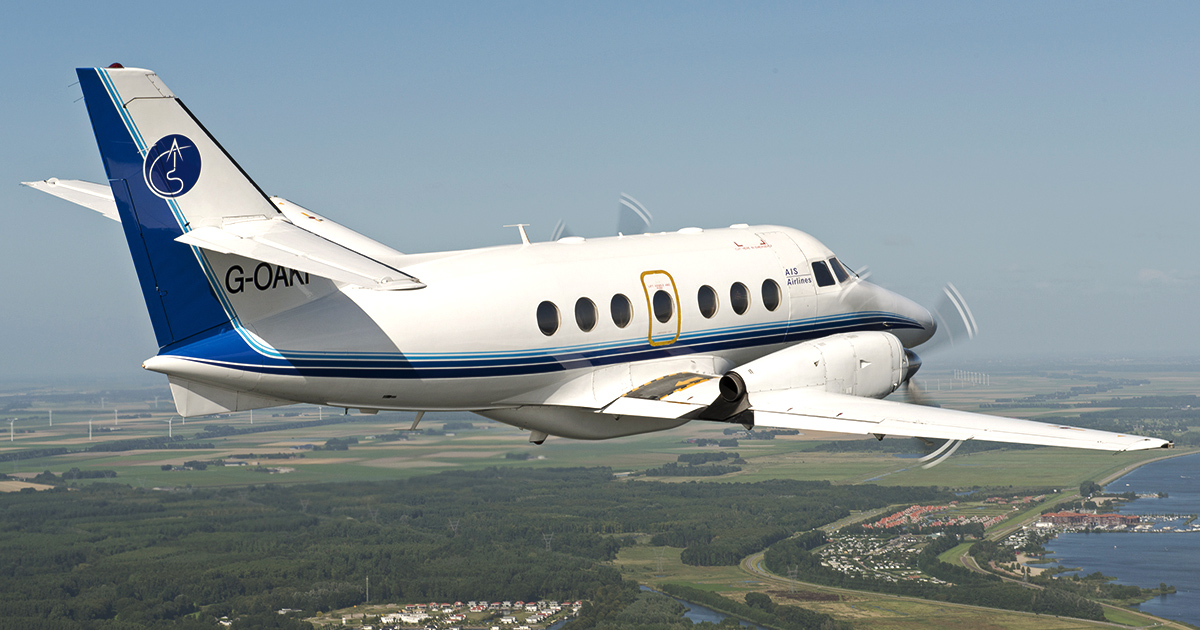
point(771, 294)
point(664, 307)
point(707, 299)
point(739, 297)
point(622, 310)
point(547, 318)
point(585, 314)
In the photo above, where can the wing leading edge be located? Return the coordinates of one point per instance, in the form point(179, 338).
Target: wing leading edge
point(823, 411)
point(811, 409)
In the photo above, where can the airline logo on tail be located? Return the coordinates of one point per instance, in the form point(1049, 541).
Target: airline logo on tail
point(172, 166)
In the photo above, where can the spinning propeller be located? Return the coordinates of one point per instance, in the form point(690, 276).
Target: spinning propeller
point(956, 325)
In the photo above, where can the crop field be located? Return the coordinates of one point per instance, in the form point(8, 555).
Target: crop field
point(377, 455)
point(661, 565)
point(135, 435)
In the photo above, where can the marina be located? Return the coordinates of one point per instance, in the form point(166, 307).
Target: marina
point(1168, 557)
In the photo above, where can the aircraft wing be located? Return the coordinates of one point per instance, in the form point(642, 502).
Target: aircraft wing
point(814, 410)
point(281, 242)
point(98, 197)
point(810, 409)
point(670, 396)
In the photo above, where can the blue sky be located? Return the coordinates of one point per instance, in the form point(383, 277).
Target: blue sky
point(1041, 156)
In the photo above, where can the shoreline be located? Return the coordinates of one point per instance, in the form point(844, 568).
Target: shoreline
point(1132, 467)
point(1104, 482)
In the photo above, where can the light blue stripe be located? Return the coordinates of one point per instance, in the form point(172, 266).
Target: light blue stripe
point(136, 135)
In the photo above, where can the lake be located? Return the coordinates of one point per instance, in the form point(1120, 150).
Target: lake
point(1148, 559)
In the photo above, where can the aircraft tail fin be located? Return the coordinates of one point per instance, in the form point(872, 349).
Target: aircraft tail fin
point(168, 176)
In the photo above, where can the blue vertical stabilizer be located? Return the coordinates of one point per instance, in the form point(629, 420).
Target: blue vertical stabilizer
point(166, 175)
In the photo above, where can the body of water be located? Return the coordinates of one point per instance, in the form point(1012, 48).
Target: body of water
point(697, 613)
point(1148, 559)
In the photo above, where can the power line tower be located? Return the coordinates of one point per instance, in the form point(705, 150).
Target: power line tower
point(793, 571)
point(658, 557)
point(453, 525)
point(549, 538)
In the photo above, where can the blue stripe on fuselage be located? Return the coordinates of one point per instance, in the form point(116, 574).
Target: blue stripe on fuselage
point(228, 349)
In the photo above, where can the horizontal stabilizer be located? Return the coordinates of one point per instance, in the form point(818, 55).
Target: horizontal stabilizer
point(330, 230)
point(818, 410)
point(280, 242)
point(97, 197)
point(309, 243)
point(193, 398)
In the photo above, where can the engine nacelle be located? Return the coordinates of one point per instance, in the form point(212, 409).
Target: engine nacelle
point(871, 364)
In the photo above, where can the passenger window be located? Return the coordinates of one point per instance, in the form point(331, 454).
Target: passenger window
point(585, 314)
point(622, 310)
point(821, 273)
point(547, 318)
point(739, 297)
point(708, 301)
point(839, 270)
point(771, 294)
point(663, 306)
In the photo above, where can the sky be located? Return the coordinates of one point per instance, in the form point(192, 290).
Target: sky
point(1043, 157)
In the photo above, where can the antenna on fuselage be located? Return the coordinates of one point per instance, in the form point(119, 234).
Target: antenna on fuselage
point(521, 228)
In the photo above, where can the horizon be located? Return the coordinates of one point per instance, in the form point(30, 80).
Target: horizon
point(1040, 157)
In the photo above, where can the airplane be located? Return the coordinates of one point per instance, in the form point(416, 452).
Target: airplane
point(258, 302)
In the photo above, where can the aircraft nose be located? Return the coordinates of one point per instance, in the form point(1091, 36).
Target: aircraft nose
point(926, 324)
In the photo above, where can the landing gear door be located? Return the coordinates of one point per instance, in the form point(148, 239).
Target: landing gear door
point(799, 288)
point(662, 301)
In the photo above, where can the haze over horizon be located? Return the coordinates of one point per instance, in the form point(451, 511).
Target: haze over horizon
point(1042, 157)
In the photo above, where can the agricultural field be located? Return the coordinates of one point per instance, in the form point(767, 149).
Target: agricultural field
point(661, 565)
point(133, 435)
point(378, 454)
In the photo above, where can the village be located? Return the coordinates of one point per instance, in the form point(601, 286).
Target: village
point(1095, 522)
point(887, 548)
point(876, 556)
point(503, 615)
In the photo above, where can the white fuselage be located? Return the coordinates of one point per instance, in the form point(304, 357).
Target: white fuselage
point(470, 340)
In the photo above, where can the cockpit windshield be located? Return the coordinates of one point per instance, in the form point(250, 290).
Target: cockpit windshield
point(821, 273)
point(838, 270)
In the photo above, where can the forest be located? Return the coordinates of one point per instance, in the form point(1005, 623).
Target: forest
point(105, 555)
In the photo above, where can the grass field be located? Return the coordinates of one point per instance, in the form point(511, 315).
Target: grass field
point(782, 458)
point(786, 457)
point(864, 610)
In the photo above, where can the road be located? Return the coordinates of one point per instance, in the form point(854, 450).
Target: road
point(752, 565)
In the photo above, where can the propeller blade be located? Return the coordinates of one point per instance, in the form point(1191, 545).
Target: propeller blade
point(632, 216)
point(940, 455)
point(956, 322)
point(561, 231)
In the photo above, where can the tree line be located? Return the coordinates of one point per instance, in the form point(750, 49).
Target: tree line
point(107, 556)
